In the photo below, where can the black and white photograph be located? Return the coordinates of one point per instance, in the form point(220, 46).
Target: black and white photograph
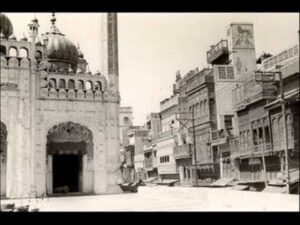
point(149, 112)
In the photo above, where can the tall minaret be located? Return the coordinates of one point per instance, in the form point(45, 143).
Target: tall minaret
point(110, 62)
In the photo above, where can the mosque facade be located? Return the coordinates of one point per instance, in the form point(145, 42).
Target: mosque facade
point(59, 122)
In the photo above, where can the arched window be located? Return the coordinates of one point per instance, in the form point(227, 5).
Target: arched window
point(89, 85)
point(52, 83)
point(2, 50)
point(80, 84)
point(197, 108)
point(23, 53)
point(62, 83)
point(38, 55)
point(98, 86)
point(13, 52)
point(71, 84)
point(205, 107)
point(201, 108)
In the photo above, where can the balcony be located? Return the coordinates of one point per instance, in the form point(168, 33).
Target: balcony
point(220, 136)
point(218, 54)
point(205, 77)
point(182, 151)
point(251, 92)
point(165, 134)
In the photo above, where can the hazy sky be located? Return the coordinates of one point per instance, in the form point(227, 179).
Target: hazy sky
point(153, 46)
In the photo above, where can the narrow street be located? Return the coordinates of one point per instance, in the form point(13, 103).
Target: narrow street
point(168, 199)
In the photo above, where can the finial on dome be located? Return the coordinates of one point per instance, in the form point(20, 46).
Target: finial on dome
point(53, 20)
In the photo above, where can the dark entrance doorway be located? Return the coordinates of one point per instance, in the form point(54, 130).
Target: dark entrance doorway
point(66, 172)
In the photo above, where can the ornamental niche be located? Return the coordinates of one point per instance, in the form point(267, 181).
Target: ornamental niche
point(70, 138)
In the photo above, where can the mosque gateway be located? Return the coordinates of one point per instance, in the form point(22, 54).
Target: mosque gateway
point(59, 122)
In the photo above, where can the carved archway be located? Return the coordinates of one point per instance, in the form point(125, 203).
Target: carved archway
point(70, 138)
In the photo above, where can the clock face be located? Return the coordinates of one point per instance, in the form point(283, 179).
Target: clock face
point(242, 36)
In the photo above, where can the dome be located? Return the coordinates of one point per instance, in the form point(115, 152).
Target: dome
point(61, 49)
point(6, 28)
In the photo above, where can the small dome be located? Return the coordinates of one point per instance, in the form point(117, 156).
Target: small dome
point(61, 49)
point(6, 28)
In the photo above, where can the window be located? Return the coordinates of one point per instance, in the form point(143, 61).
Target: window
point(230, 74)
point(2, 50)
point(89, 85)
point(222, 73)
point(62, 83)
point(80, 84)
point(267, 135)
point(126, 120)
point(52, 83)
point(98, 86)
point(205, 108)
point(255, 137)
point(13, 52)
point(23, 53)
point(71, 84)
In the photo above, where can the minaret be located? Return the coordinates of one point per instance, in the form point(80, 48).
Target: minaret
point(110, 62)
point(33, 29)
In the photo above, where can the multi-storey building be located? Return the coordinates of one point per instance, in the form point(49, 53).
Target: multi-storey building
point(197, 93)
point(259, 152)
point(165, 140)
point(153, 124)
point(231, 60)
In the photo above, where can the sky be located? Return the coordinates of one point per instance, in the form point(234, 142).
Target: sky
point(153, 46)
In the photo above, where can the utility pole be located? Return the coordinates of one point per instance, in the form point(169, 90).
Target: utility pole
point(195, 151)
point(283, 109)
point(194, 139)
point(270, 77)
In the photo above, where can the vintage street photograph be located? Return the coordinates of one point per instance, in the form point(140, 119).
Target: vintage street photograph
point(155, 112)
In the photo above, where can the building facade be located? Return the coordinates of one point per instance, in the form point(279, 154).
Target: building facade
point(59, 122)
point(260, 155)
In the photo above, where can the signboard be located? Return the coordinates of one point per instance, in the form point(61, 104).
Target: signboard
point(264, 77)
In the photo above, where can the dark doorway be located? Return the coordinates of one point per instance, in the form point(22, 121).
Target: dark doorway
point(66, 170)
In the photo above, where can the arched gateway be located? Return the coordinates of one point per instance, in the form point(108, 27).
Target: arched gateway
point(67, 144)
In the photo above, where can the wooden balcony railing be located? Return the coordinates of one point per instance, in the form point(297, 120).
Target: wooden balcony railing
point(182, 151)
